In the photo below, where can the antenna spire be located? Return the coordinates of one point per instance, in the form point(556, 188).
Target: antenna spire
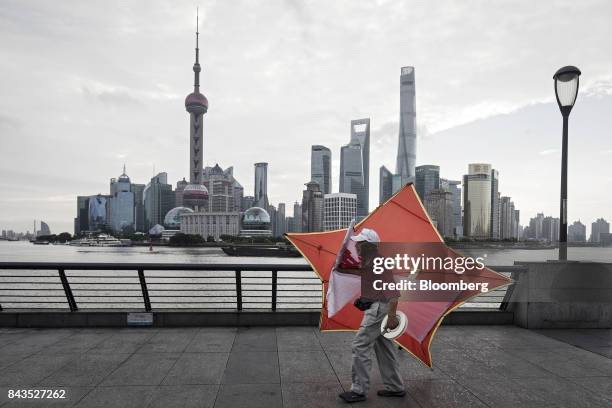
point(196, 65)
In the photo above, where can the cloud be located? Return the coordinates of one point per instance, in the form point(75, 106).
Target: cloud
point(547, 152)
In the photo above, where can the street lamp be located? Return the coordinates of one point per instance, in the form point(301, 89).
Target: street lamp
point(566, 90)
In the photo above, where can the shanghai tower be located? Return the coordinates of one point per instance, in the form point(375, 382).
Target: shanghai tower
point(197, 105)
point(406, 149)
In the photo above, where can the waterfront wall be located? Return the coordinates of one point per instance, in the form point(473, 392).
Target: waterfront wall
point(559, 294)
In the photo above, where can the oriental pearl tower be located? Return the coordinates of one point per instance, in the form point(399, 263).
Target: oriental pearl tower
point(195, 194)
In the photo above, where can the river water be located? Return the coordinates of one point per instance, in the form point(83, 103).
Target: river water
point(189, 289)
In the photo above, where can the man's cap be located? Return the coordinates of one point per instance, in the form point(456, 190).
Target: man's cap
point(368, 235)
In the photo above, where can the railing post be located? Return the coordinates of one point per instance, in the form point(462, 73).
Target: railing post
point(69, 296)
point(238, 289)
point(274, 282)
point(145, 291)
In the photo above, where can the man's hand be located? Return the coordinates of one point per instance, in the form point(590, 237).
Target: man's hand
point(392, 321)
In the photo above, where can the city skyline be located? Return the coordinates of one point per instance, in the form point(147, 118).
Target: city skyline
point(149, 119)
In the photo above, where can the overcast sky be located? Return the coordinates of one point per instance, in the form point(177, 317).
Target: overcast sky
point(88, 86)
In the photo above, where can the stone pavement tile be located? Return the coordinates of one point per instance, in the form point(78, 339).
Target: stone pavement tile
point(584, 338)
point(305, 367)
point(118, 397)
point(413, 369)
point(184, 396)
point(331, 340)
point(442, 394)
point(80, 342)
point(374, 401)
point(602, 351)
point(313, 395)
point(252, 367)
point(197, 368)
point(503, 394)
point(598, 385)
point(124, 341)
point(72, 396)
point(341, 360)
point(212, 339)
point(10, 359)
point(507, 364)
point(36, 340)
point(249, 396)
point(142, 369)
point(85, 370)
point(168, 341)
point(458, 364)
point(255, 339)
point(560, 393)
point(297, 339)
point(33, 369)
point(562, 363)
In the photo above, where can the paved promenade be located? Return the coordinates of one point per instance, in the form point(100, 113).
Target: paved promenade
point(474, 366)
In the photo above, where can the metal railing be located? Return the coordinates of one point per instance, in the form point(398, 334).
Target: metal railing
point(29, 285)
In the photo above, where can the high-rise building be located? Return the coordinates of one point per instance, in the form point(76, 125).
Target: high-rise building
point(385, 185)
point(197, 105)
point(139, 209)
point(495, 206)
point(81, 222)
point(280, 226)
point(261, 185)
point(320, 167)
point(312, 208)
point(98, 213)
point(352, 176)
point(44, 229)
point(296, 225)
point(426, 179)
point(159, 199)
point(360, 135)
point(339, 210)
point(507, 217)
point(220, 185)
point(477, 201)
point(576, 232)
point(178, 192)
point(550, 229)
point(454, 187)
point(122, 204)
point(247, 202)
point(600, 226)
point(406, 149)
point(439, 205)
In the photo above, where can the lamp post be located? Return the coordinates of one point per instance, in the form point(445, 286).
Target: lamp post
point(566, 90)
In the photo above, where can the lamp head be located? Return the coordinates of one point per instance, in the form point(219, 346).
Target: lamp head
point(566, 87)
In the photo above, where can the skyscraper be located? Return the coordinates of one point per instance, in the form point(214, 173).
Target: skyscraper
point(506, 215)
point(261, 185)
point(406, 149)
point(81, 222)
point(158, 200)
point(312, 208)
point(439, 206)
point(320, 167)
point(576, 232)
point(197, 105)
point(339, 210)
point(477, 201)
point(426, 179)
point(360, 134)
point(454, 187)
point(495, 206)
point(281, 221)
point(220, 186)
point(385, 184)
point(600, 226)
point(352, 176)
point(121, 204)
point(139, 209)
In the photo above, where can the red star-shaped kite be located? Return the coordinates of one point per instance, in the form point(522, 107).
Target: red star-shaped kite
point(401, 221)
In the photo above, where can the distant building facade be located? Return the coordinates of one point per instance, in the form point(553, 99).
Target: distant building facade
point(339, 210)
point(320, 167)
point(439, 205)
point(261, 185)
point(576, 232)
point(312, 208)
point(477, 201)
point(211, 223)
point(122, 204)
point(600, 226)
point(158, 200)
point(426, 179)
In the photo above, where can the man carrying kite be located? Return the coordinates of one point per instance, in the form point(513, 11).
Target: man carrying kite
point(376, 304)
